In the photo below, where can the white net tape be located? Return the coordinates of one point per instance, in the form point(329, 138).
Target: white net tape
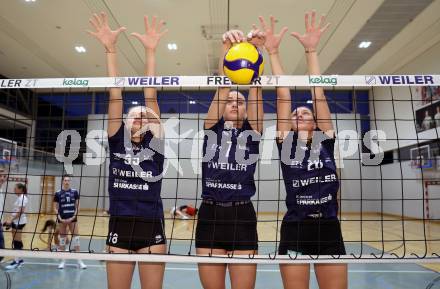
point(215, 81)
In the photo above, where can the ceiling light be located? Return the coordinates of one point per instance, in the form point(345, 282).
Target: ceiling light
point(172, 46)
point(364, 44)
point(192, 102)
point(30, 0)
point(135, 102)
point(80, 49)
point(310, 101)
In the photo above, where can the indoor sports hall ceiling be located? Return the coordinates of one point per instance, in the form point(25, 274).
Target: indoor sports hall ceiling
point(38, 37)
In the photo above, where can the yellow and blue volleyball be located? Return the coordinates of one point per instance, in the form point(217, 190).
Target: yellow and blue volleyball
point(243, 63)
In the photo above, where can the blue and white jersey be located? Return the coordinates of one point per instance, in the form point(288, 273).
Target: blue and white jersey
point(311, 182)
point(135, 175)
point(66, 200)
point(230, 158)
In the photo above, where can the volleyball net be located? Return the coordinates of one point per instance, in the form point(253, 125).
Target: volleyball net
point(387, 154)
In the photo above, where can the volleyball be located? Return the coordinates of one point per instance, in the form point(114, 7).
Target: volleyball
point(243, 63)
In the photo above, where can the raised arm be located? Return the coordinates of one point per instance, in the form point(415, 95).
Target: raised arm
point(108, 39)
point(272, 44)
point(255, 111)
point(310, 40)
point(217, 107)
point(150, 40)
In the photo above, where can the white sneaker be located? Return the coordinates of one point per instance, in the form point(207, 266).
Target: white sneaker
point(61, 265)
point(82, 265)
point(14, 265)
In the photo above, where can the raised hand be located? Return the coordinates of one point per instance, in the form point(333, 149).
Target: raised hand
point(103, 33)
point(153, 33)
point(232, 36)
point(310, 39)
point(273, 40)
point(256, 37)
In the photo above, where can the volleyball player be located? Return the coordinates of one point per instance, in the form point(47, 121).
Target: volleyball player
point(227, 222)
point(136, 212)
point(310, 225)
point(17, 220)
point(66, 206)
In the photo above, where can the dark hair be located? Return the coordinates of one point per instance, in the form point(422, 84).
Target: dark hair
point(306, 107)
point(49, 223)
point(22, 187)
point(66, 176)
